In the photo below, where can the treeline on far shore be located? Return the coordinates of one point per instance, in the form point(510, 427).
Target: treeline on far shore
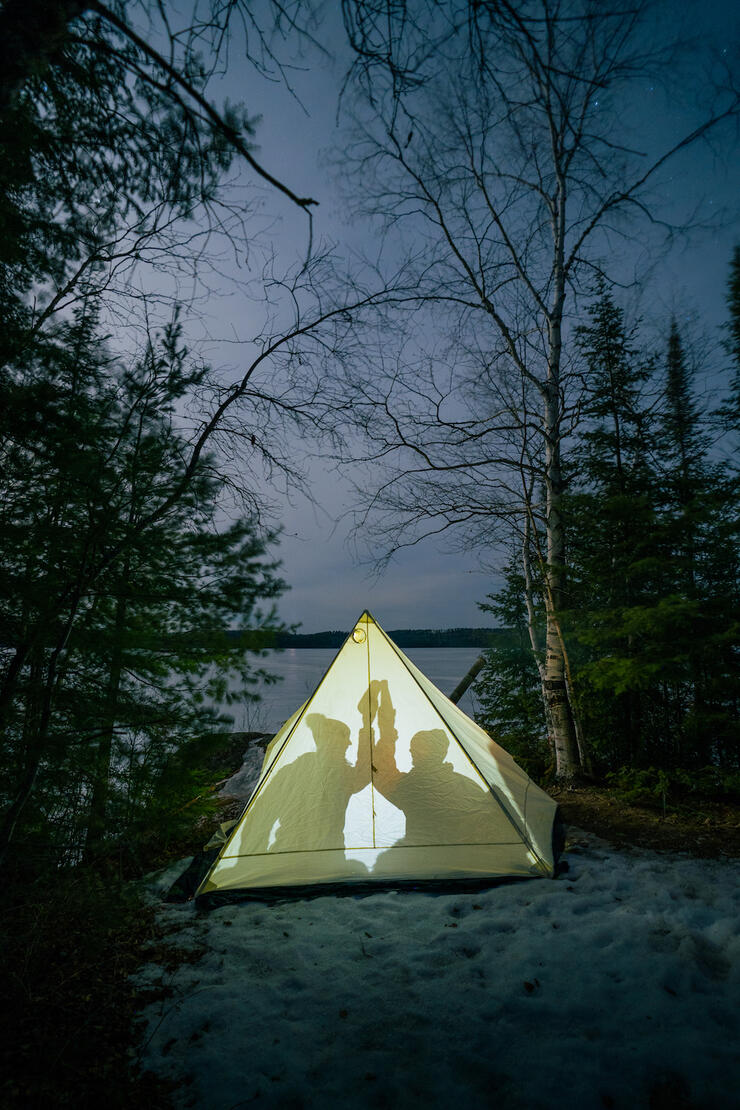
point(404, 637)
point(261, 639)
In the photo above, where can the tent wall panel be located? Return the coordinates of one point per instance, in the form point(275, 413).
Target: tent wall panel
point(379, 777)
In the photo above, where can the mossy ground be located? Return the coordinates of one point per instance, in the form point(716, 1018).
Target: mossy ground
point(704, 828)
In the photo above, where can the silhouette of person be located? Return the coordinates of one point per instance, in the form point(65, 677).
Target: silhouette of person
point(441, 806)
point(376, 702)
point(303, 805)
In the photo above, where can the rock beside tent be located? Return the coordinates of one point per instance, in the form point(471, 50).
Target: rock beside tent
point(240, 785)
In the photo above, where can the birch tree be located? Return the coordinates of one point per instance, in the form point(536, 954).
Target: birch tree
point(490, 133)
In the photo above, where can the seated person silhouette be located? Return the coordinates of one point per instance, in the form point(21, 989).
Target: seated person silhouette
point(303, 807)
point(441, 806)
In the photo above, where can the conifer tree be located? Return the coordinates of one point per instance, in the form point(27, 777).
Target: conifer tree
point(114, 614)
point(729, 412)
point(684, 454)
point(509, 689)
point(610, 518)
point(654, 563)
point(693, 526)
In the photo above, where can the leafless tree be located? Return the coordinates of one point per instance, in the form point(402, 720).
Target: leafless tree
point(241, 423)
point(124, 170)
point(490, 133)
point(131, 146)
point(176, 53)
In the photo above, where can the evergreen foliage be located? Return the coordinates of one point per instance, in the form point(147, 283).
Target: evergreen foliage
point(71, 940)
point(729, 412)
point(97, 167)
point(109, 605)
point(509, 691)
point(652, 617)
point(115, 564)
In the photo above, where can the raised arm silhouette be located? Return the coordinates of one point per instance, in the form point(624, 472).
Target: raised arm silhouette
point(441, 805)
point(319, 783)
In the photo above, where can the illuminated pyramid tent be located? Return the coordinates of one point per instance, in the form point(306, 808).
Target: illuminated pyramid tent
point(380, 778)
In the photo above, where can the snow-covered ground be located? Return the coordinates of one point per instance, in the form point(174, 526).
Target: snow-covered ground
point(615, 985)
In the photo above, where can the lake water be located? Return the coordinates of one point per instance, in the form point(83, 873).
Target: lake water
point(301, 669)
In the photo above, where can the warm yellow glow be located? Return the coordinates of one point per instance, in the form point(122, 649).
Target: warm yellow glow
point(380, 777)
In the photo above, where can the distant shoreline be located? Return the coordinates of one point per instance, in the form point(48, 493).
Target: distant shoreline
point(404, 637)
point(265, 639)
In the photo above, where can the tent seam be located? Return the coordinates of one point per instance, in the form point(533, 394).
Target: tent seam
point(370, 725)
point(374, 847)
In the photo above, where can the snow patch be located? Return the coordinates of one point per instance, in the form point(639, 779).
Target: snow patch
point(615, 985)
point(242, 783)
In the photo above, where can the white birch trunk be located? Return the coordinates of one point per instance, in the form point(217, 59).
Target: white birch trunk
point(534, 639)
point(560, 715)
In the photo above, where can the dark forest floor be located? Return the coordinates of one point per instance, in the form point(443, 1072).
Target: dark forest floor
point(702, 828)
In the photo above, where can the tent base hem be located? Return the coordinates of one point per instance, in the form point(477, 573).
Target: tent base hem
point(357, 889)
point(183, 889)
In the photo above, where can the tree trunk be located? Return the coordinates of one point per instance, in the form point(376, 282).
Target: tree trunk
point(37, 746)
point(534, 639)
point(10, 681)
point(31, 753)
point(561, 718)
point(468, 679)
point(96, 825)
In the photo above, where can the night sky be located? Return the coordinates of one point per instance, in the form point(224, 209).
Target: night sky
point(428, 586)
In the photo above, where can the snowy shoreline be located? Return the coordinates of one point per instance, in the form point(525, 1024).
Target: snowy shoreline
point(615, 985)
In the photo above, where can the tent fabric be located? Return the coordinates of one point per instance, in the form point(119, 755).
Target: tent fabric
point(379, 777)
